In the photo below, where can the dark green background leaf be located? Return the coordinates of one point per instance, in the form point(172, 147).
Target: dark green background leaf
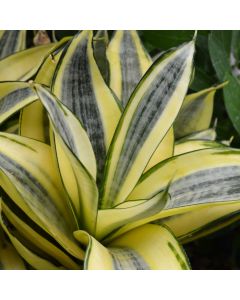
point(223, 59)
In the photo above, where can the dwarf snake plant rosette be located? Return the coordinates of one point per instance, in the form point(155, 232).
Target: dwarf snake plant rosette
point(91, 175)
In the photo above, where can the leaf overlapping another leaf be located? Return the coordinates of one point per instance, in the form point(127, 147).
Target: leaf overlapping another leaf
point(80, 190)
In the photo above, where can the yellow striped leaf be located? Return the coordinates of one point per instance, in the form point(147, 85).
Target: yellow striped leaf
point(11, 41)
point(9, 258)
point(150, 247)
point(145, 121)
point(32, 182)
point(196, 112)
point(69, 128)
point(187, 226)
point(128, 61)
point(75, 158)
point(23, 64)
point(33, 119)
point(100, 43)
point(109, 220)
point(79, 85)
point(13, 97)
point(34, 235)
point(27, 254)
point(207, 135)
point(193, 145)
point(198, 177)
point(163, 151)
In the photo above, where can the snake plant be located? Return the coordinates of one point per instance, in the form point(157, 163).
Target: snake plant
point(105, 161)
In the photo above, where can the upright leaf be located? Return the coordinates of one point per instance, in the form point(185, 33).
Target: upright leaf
point(75, 158)
point(164, 150)
point(128, 61)
point(79, 85)
point(33, 119)
point(100, 43)
point(147, 118)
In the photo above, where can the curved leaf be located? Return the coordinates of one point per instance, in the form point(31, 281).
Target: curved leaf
point(33, 259)
point(33, 184)
point(35, 236)
point(9, 258)
point(193, 145)
point(24, 64)
point(13, 97)
point(150, 247)
point(189, 225)
point(112, 219)
point(198, 177)
point(196, 112)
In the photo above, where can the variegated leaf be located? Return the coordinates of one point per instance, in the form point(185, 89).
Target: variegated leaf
point(196, 112)
point(100, 43)
point(202, 221)
point(33, 235)
point(33, 183)
point(33, 119)
point(128, 61)
point(35, 260)
point(150, 247)
point(75, 158)
point(13, 97)
point(79, 85)
point(163, 151)
point(151, 111)
point(109, 220)
point(24, 64)
point(9, 258)
point(199, 179)
point(193, 145)
point(11, 41)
